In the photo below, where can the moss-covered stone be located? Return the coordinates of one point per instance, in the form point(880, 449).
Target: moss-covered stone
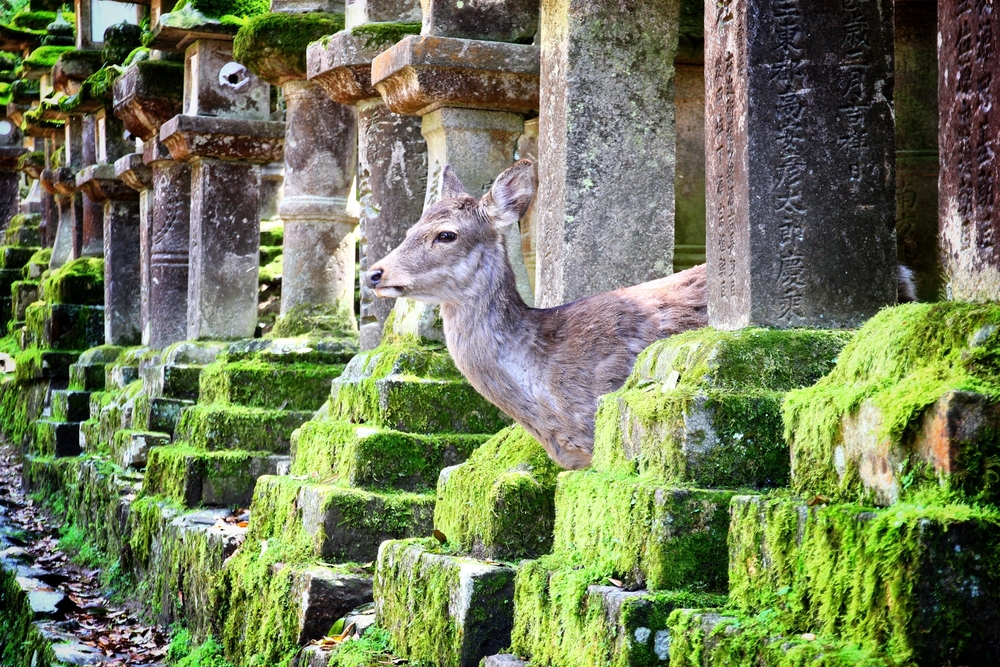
point(218, 9)
point(119, 41)
point(499, 503)
point(23, 293)
point(303, 349)
point(441, 609)
point(195, 477)
point(569, 616)
point(308, 320)
point(409, 387)
point(905, 580)
point(176, 381)
point(23, 644)
point(157, 413)
point(377, 458)
point(37, 264)
point(70, 406)
point(15, 257)
point(44, 57)
point(88, 373)
point(80, 281)
point(867, 431)
point(64, 327)
point(708, 638)
point(214, 427)
point(703, 407)
point(130, 448)
point(56, 439)
point(382, 34)
point(274, 45)
point(22, 230)
point(257, 383)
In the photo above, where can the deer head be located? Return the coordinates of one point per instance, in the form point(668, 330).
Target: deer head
point(445, 255)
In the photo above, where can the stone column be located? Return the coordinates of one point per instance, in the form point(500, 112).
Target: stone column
point(969, 183)
point(392, 154)
point(148, 94)
point(10, 181)
point(68, 243)
point(606, 146)
point(800, 162)
point(92, 215)
point(689, 98)
point(225, 135)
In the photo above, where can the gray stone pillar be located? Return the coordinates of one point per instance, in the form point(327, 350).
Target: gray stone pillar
point(320, 161)
point(689, 98)
point(92, 231)
point(800, 162)
point(134, 173)
point(969, 184)
point(606, 146)
point(10, 181)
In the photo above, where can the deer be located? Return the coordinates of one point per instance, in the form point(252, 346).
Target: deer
point(545, 368)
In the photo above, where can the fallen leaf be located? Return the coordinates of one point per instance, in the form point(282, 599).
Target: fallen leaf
point(818, 500)
point(616, 582)
point(439, 536)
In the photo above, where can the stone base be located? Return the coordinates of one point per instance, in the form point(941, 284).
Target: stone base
point(64, 327)
point(195, 477)
point(56, 439)
point(215, 427)
point(446, 610)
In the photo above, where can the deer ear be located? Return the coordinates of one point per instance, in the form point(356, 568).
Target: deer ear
point(450, 185)
point(509, 198)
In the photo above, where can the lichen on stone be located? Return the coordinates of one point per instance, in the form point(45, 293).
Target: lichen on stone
point(385, 33)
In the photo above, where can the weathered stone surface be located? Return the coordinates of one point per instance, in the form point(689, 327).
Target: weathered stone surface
point(56, 439)
point(148, 94)
point(130, 449)
point(196, 478)
point(325, 596)
point(262, 384)
point(772, 258)
point(606, 138)
point(70, 406)
point(122, 277)
point(447, 610)
point(158, 414)
point(134, 172)
point(214, 427)
point(689, 179)
point(225, 250)
point(421, 74)
point(392, 156)
point(171, 380)
point(64, 327)
point(224, 138)
point(100, 183)
point(358, 12)
point(215, 85)
point(341, 65)
point(302, 6)
point(504, 660)
point(512, 21)
point(968, 100)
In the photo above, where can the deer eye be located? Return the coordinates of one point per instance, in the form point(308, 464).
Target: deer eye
point(446, 237)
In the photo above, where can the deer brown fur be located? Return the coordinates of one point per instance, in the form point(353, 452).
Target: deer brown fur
point(545, 368)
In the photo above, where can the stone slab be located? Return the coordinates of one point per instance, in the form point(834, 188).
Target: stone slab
point(70, 406)
point(274, 386)
point(326, 596)
point(190, 137)
point(214, 427)
point(196, 478)
point(57, 439)
point(513, 21)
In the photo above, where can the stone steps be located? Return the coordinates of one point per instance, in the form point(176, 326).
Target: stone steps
point(214, 427)
point(195, 477)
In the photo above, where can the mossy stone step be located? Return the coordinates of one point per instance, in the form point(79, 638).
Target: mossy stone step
point(24, 231)
point(408, 387)
point(920, 580)
point(70, 406)
point(36, 364)
point(377, 458)
point(500, 503)
point(213, 427)
point(300, 350)
point(337, 523)
point(157, 413)
point(704, 407)
point(130, 448)
point(7, 278)
point(912, 405)
point(195, 477)
point(38, 264)
point(80, 282)
point(652, 535)
point(570, 616)
point(707, 637)
point(114, 410)
point(23, 293)
point(261, 384)
point(15, 257)
point(64, 327)
point(177, 381)
point(441, 609)
point(88, 373)
point(56, 439)
point(90, 436)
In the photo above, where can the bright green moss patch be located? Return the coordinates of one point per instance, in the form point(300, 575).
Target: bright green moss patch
point(218, 9)
point(371, 650)
point(385, 34)
point(643, 532)
point(274, 45)
point(45, 57)
point(29, 20)
point(314, 321)
point(38, 261)
point(80, 282)
point(902, 361)
point(711, 639)
point(214, 427)
point(261, 384)
point(195, 477)
point(905, 580)
point(373, 458)
point(499, 503)
point(97, 86)
point(568, 615)
point(22, 645)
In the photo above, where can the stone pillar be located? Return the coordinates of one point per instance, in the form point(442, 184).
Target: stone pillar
point(800, 162)
point(92, 231)
point(606, 146)
point(689, 98)
point(133, 172)
point(392, 154)
point(969, 183)
point(10, 181)
point(915, 100)
point(68, 243)
point(224, 134)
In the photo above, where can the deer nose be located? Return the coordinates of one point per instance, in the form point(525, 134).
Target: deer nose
point(373, 277)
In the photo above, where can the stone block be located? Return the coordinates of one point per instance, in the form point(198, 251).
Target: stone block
point(196, 477)
point(499, 503)
point(268, 385)
point(130, 449)
point(56, 439)
point(326, 350)
point(348, 524)
point(504, 660)
point(90, 436)
point(70, 406)
point(907, 578)
point(215, 427)
point(43, 365)
point(177, 381)
point(23, 294)
point(217, 87)
point(423, 73)
point(377, 458)
point(908, 408)
point(15, 257)
point(406, 387)
point(515, 21)
point(64, 327)
point(78, 282)
point(445, 610)
point(148, 94)
point(158, 413)
point(564, 619)
point(341, 65)
point(257, 141)
point(326, 595)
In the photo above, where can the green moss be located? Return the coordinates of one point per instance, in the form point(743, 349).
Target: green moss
point(162, 78)
point(119, 42)
point(98, 86)
point(261, 384)
point(192, 476)
point(208, 654)
point(274, 45)
point(39, 260)
point(372, 458)
point(138, 54)
point(215, 427)
point(23, 644)
point(29, 20)
point(872, 577)
point(902, 361)
point(79, 282)
point(499, 503)
point(371, 650)
point(23, 90)
point(322, 320)
point(220, 8)
point(8, 61)
point(272, 232)
point(45, 57)
point(385, 34)
point(4, 93)
point(561, 618)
